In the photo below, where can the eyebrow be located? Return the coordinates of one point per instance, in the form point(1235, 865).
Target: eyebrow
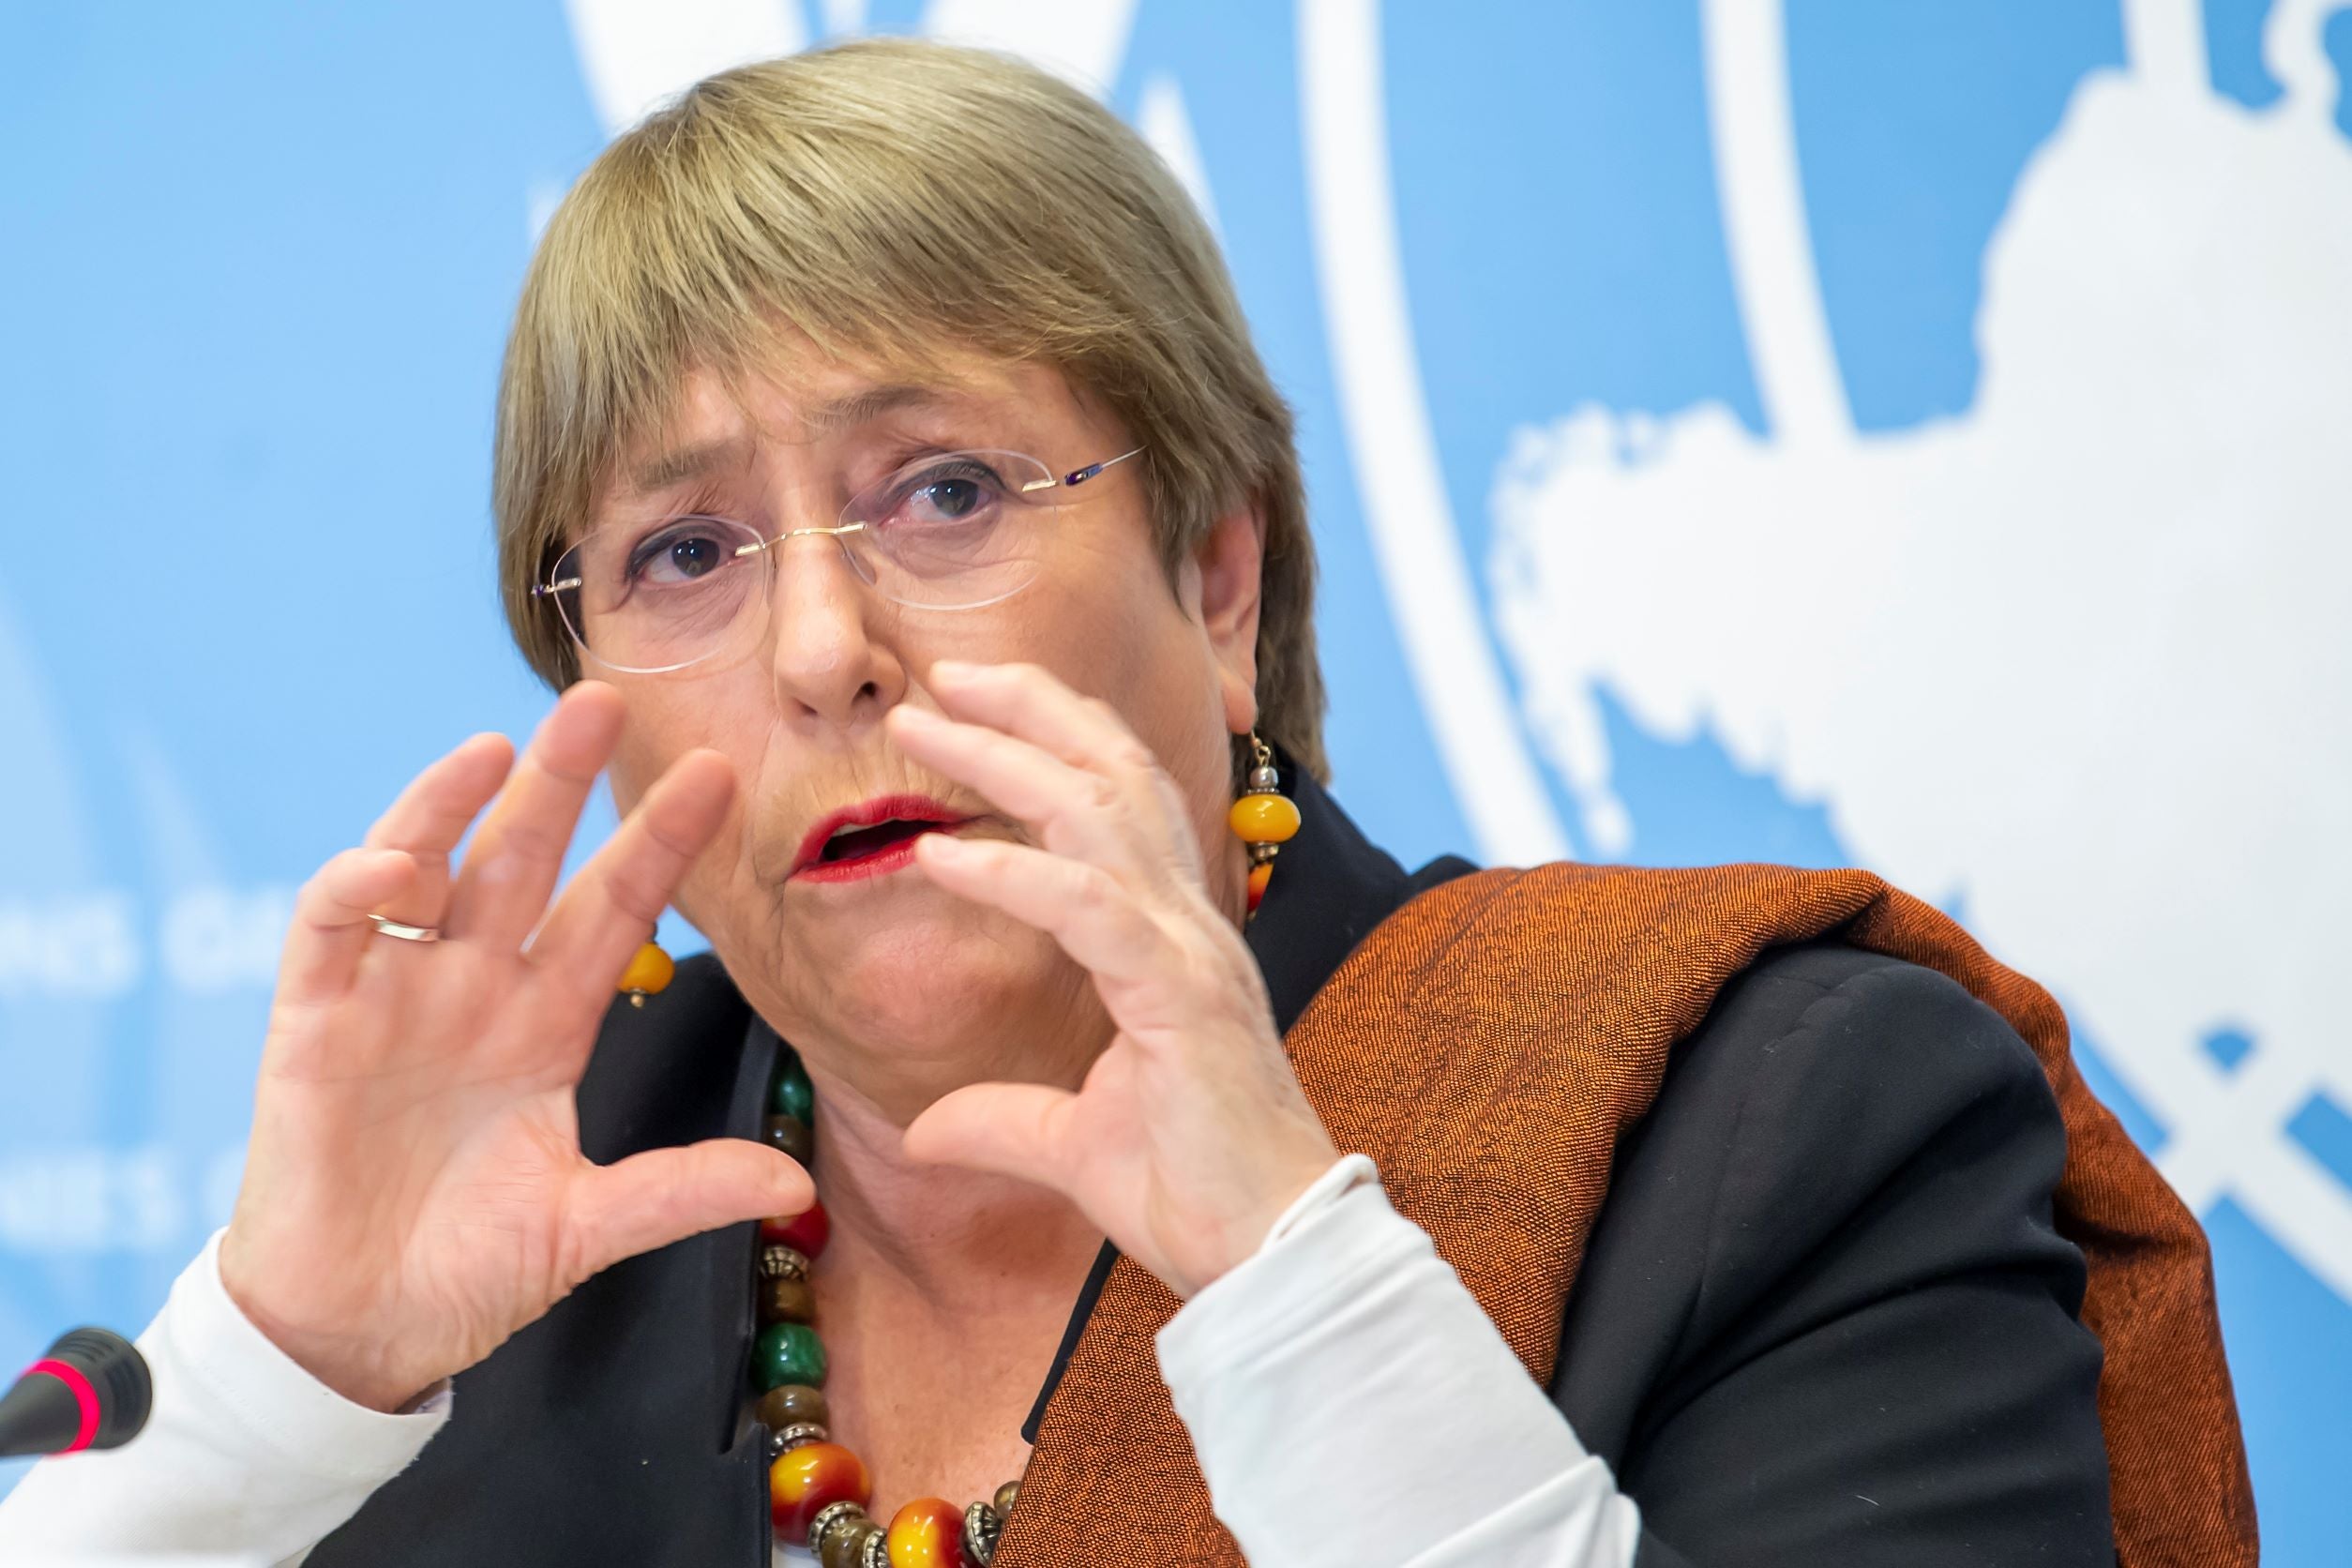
point(687, 462)
point(856, 409)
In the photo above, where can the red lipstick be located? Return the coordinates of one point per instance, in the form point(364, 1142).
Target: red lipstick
point(871, 839)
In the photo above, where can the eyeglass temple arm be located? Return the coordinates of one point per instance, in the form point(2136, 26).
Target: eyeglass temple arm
point(1079, 476)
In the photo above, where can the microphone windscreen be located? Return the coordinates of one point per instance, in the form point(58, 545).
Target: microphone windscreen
point(92, 1390)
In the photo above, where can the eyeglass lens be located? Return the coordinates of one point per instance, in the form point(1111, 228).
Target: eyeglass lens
point(951, 531)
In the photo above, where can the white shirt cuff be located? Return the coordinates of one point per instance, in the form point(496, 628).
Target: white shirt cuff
point(245, 1453)
point(1351, 1403)
point(278, 1407)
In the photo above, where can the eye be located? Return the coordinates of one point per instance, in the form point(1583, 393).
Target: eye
point(951, 498)
point(956, 490)
point(686, 551)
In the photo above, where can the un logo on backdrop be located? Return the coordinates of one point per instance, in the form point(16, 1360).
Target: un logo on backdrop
point(2077, 653)
point(2073, 658)
point(1674, 506)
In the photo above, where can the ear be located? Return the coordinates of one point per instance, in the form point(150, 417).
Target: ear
point(1224, 575)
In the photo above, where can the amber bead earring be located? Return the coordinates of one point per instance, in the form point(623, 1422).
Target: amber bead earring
point(650, 970)
point(1263, 818)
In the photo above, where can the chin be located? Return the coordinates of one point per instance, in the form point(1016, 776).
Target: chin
point(945, 981)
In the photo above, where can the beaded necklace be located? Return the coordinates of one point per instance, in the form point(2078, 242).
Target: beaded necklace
point(818, 1490)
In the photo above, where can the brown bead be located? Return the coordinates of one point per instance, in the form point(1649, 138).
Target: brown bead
point(792, 1135)
point(1006, 1496)
point(790, 1404)
point(845, 1544)
point(834, 1516)
point(787, 1300)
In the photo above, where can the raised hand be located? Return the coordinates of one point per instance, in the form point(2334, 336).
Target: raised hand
point(1190, 1135)
point(414, 1188)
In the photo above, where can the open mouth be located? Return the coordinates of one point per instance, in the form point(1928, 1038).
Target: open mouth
point(857, 843)
point(870, 837)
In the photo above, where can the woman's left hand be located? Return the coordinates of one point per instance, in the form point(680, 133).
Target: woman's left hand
point(1190, 1135)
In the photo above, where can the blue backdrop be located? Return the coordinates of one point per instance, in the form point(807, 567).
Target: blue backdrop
point(2007, 340)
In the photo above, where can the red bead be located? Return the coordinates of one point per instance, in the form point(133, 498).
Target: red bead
point(1260, 875)
point(927, 1532)
point(812, 1477)
point(805, 1232)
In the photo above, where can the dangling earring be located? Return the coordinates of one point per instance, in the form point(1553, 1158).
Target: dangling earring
point(649, 971)
point(1264, 818)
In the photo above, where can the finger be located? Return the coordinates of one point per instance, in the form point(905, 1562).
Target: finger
point(510, 870)
point(662, 1196)
point(1095, 918)
point(1031, 703)
point(330, 928)
point(618, 896)
point(1070, 809)
point(432, 815)
point(1005, 1129)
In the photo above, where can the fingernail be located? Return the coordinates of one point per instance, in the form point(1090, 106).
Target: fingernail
point(951, 669)
point(916, 716)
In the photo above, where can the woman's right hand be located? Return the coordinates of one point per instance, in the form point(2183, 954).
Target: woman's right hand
point(414, 1190)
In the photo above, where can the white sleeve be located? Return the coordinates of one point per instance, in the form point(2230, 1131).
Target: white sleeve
point(246, 1454)
point(1351, 1403)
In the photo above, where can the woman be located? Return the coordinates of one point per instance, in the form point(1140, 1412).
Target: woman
point(885, 477)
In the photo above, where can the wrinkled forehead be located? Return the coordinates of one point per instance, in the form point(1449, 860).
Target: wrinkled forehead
point(724, 421)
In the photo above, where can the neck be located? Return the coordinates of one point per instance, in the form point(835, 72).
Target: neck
point(969, 1243)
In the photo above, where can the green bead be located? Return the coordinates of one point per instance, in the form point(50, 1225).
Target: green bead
point(793, 1096)
point(788, 1353)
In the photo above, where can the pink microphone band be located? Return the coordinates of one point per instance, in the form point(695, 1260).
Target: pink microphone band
point(84, 1396)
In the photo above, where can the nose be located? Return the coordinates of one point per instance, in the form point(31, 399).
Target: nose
point(832, 659)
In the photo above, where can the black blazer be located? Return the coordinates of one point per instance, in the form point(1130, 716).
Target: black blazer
point(1822, 1318)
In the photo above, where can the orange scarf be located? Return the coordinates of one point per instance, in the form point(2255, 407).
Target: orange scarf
point(1475, 1004)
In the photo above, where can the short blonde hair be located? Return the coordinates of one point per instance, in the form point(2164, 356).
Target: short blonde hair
point(889, 198)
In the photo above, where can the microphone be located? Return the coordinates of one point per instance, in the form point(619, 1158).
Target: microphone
point(92, 1390)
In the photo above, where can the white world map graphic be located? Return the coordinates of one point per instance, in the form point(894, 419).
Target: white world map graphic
point(2075, 656)
point(1971, 639)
